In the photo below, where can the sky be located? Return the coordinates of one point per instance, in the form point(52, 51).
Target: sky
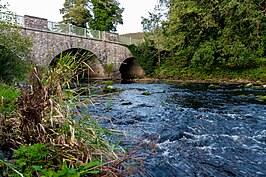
point(49, 9)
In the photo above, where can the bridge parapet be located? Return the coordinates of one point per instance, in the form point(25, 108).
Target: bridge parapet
point(51, 39)
point(38, 23)
point(35, 22)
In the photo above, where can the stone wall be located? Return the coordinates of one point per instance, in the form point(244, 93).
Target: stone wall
point(35, 22)
point(110, 36)
point(47, 45)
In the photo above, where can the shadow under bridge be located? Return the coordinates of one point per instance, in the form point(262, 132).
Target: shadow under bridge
point(130, 69)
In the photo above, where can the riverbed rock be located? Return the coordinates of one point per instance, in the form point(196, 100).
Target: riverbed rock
point(126, 103)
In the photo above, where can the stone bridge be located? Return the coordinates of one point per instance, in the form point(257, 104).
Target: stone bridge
point(108, 50)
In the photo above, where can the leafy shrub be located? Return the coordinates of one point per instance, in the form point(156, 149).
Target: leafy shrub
point(35, 160)
point(8, 95)
point(14, 51)
point(205, 57)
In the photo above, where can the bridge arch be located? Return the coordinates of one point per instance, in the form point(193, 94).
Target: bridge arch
point(96, 69)
point(130, 69)
point(75, 43)
point(47, 45)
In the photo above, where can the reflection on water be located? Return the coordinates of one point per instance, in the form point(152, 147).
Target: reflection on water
point(199, 130)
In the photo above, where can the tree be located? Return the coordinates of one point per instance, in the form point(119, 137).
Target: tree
point(103, 15)
point(146, 55)
point(154, 26)
point(219, 33)
point(14, 48)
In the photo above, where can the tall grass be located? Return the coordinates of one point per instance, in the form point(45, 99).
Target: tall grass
point(49, 134)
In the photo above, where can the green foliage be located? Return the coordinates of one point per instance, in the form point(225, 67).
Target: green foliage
point(170, 82)
point(51, 133)
point(27, 156)
point(103, 15)
point(146, 55)
point(8, 95)
point(36, 158)
point(75, 12)
point(12, 68)
point(107, 15)
point(217, 33)
point(14, 50)
point(205, 38)
point(70, 172)
point(262, 98)
point(107, 83)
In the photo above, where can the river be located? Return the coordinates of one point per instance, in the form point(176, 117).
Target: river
point(197, 129)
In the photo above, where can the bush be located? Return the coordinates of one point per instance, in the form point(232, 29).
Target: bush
point(12, 68)
point(14, 50)
point(8, 95)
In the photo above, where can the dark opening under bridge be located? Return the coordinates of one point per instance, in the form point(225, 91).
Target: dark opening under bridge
point(51, 39)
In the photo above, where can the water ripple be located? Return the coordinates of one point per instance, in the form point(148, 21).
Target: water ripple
point(198, 130)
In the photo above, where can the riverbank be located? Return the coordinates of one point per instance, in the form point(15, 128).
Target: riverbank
point(44, 131)
point(210, 81)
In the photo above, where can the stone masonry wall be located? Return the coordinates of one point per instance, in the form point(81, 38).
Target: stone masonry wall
point(35, 22)
point(47, 45)
point(110, 36)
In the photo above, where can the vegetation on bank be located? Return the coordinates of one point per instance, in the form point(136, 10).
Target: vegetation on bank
point(52, 136)
point(14, 50)
point(14, 57)
point(8, 95)
point(205, 40)
point(43, 128)
point(42, 123)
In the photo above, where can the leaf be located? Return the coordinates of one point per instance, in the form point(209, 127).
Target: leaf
point(64, 166)
point(92, 164)
point(38, 168)
point(86, 169)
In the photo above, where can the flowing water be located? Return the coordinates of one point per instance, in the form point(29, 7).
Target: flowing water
point(198, 129)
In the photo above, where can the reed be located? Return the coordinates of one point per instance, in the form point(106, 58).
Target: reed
point(50, 135)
